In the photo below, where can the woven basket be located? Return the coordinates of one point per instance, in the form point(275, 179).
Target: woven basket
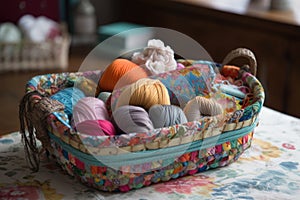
point(27, 55)
point(131, 161)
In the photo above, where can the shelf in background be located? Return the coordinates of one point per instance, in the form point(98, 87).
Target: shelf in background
point(252, 8)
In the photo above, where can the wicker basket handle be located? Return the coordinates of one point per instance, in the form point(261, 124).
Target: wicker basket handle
point(242, 53)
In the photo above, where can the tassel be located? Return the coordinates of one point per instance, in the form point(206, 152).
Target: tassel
point(34, 109)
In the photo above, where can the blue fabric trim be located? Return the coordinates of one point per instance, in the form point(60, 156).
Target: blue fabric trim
point(141, 157)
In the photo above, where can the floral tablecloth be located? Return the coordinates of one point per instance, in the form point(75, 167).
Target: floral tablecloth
point(268, 170)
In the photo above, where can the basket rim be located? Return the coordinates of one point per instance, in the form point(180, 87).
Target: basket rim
point(208, 124)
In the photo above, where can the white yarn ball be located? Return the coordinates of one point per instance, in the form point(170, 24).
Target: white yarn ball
point(200, 107)
point(156, 57)
point(9, 33)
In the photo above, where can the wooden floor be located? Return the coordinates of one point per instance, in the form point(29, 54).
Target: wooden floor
point(12, 87)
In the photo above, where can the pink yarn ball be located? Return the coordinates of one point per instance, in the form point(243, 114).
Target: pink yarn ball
point(96, 128)
point(89, 108)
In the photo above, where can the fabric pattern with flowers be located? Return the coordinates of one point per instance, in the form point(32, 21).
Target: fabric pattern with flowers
point(257, 174)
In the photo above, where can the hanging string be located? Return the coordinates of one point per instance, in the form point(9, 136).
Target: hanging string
point(34, 109)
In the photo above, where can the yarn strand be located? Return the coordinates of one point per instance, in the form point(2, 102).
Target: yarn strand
point(29, 141)
point(34, 108)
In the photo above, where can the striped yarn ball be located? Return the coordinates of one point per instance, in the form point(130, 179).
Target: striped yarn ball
point(132, 76)
point(96, 128)
point(131, 119)
point(200, 107)
point(144, 93)
point(89, 108)
point(113, 73)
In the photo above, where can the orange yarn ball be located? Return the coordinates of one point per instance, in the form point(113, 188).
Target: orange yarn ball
point(230, 70)
point(113, 73)
point(132, 76)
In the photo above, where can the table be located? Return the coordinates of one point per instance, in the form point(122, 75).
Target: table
point(268, 170)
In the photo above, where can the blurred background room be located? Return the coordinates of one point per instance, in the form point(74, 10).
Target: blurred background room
point(53, 36)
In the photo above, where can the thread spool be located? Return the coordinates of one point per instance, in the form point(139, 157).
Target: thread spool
point(200, 107)
point(131, 119)
point(144, 93)
point(96, 128)
point(113, 73)
point(89, 108)
point(166, 115)
point(68, 97)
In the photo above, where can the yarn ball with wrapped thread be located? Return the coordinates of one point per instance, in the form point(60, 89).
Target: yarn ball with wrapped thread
point(90, 116)
point(166, 115)
point(86, 85)
point(96, 128)
point(145, 93)
point(69, 97)
point(132, 76)
point(108, 105)
point(89, 108)
point(113, 73)
point(200, 107)
point(230, 71)
point(104, 96)
point(131, 119)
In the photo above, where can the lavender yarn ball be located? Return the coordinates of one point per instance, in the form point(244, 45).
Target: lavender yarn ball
point(131, 119)
point(166, 115)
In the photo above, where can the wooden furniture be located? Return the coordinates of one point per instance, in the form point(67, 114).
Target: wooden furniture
point(14, 9)
point(13, 87)
point(220, 26)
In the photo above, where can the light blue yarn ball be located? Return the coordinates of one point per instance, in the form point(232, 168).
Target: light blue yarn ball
point(69, 97)
point(104, 96)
